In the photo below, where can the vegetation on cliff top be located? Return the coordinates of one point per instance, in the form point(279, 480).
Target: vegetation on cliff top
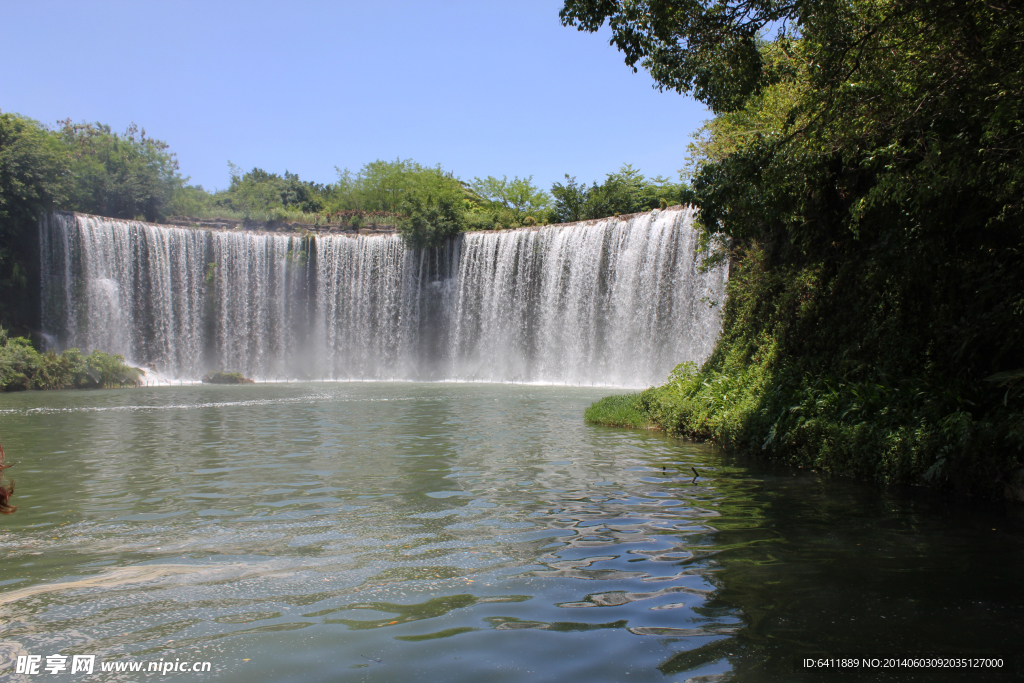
point(89, 168)
point(864, 174)
point(401, 194)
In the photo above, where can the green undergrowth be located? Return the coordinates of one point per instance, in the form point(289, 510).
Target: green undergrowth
point(816, 370)
point(23, 367)
point(618, 411)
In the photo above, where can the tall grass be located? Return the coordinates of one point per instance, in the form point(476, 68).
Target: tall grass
point(618, 411)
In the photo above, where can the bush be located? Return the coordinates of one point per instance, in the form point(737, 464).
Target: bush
point(22, 367)
point(431, 222)
point(18, 362)
point(226, 378)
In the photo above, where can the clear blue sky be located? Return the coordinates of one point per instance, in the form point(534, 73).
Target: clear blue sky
point(483, 88)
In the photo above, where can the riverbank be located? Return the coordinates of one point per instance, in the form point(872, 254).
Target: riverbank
point(885, 452)
point(812, 371)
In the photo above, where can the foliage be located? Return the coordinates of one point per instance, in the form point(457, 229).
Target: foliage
point(81, 167)
point(194, 201)
point(624, 192)
point(710, 49)
point(388, 185)
point(756, 395)
point(618, 411)
point(33, 178)
point(866, 167)
point(33, 170)
point(380, 193)
point(122, 176)
point(400, 193)
point(256, 192)
point(23, 367)
point(519, 197)
point(413, 191)
point(431, 221)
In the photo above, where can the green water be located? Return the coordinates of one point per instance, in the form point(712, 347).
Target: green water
point(460, 532)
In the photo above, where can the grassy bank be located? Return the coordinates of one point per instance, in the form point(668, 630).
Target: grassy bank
point(620, 411)
point(23, 367)
point(819, 369)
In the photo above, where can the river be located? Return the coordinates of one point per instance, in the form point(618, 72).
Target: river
point(398, 531)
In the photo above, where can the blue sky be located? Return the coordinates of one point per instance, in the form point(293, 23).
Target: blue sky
point(483, 88)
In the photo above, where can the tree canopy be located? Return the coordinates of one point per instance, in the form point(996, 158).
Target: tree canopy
point(623, 192)
point(709, 49)
point(518, 196)
point(33, 177)
point(122, 176)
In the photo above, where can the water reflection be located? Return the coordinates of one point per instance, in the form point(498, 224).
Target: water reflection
point(401, 531)
point(830, 566)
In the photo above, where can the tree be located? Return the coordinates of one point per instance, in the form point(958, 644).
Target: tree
point(624, 192)
point(710, 49)
point(570, 201)
point(519, 195)
point(431, 220)
point(386, 185)
point(304, 195)
point(129, 176)
point(33, 179)
point(258, 193)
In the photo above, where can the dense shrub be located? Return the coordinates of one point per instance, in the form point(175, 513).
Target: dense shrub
point(23, 367)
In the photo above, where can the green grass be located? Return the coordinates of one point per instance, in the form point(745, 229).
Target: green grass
point(618, 411)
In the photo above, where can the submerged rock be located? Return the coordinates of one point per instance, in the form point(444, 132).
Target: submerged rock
point(226, 378)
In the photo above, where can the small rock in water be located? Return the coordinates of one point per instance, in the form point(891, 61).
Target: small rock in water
point(226, 378)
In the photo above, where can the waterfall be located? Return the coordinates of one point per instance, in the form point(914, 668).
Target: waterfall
point(617, 301)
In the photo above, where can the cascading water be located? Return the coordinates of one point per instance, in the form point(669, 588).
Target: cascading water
point(617, 301)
